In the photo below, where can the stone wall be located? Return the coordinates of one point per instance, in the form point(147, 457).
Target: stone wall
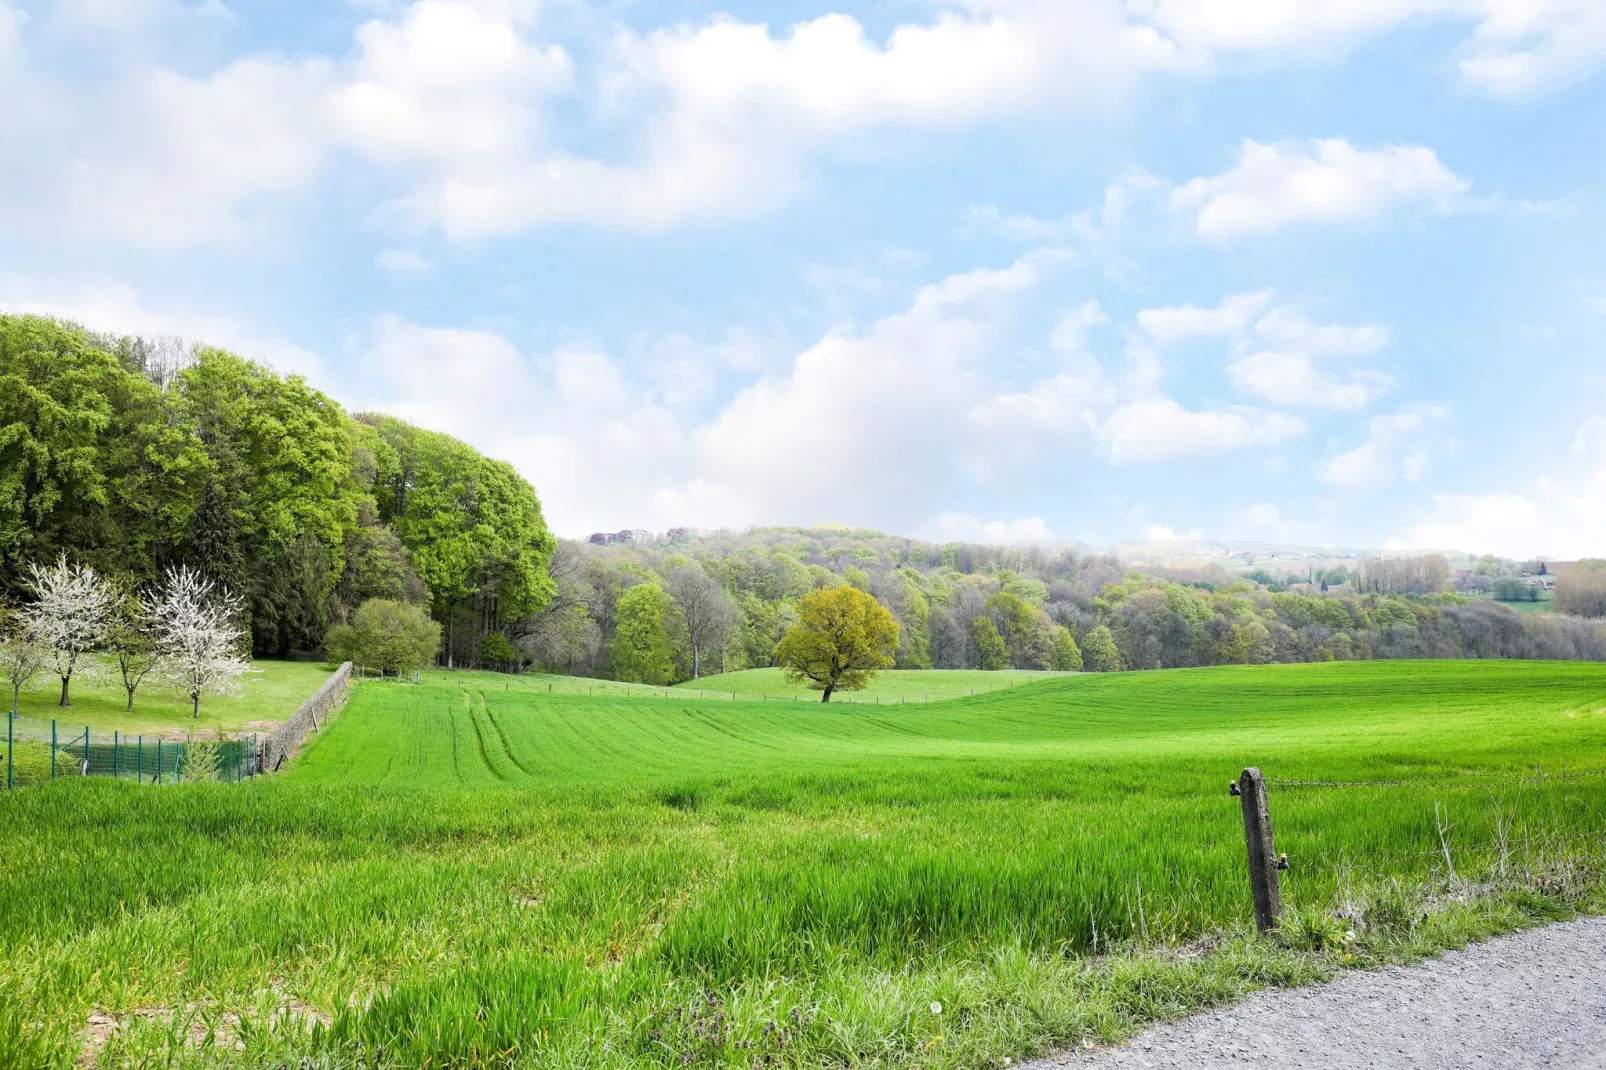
point(277, 748)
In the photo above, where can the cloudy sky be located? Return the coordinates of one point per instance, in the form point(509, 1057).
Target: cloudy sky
point(1004, 269)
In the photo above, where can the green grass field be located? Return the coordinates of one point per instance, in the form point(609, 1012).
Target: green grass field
point(476, 872)
point(893, 685)
point(271, 692)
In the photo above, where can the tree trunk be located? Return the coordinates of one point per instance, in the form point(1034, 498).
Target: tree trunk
point(195, 704)
point(130, 701)
point(827, 696)
point(65, 680)
point(696, 662)
point(449, 616)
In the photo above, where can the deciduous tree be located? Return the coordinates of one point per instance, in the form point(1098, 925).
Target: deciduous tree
point(196, 634)
point(641, 650)
point(992, 653)
point(70, 613)
point(131, 638)
point(22, 656)
point(1098, 651)
point(842, 638)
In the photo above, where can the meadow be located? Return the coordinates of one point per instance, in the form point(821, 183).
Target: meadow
point(270, 692)
point(892, 685)
point(477, 872)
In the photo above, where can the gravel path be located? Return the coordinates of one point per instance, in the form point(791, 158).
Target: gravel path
point(1532, 999)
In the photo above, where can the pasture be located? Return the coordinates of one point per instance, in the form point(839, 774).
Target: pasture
point(476, 872)
point(271, 692)
point(891, 685)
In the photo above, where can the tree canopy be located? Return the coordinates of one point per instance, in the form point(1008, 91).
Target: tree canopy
point(133, 458)
point(841, 638)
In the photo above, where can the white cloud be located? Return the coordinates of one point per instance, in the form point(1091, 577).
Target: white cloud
point(403, 262)
point(963, 527)
point(1324, 181)
point(1297, 379)
point(1561, 513)
point(1523, 47)
point(182, 160)
point(1161, 429)
point(1395, 448)
point(115, 308)
point(1180, 323)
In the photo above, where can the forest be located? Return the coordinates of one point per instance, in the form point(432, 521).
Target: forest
point(136, 456)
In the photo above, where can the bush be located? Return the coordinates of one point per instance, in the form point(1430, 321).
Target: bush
point(394, 637)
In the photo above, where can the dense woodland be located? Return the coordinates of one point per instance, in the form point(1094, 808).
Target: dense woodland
point(134, 456)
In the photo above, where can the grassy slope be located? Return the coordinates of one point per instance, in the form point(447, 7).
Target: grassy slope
point(270, 693)
point(894, 685)
point(568, 876)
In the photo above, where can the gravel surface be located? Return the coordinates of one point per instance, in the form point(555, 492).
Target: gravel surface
point(1532, 999)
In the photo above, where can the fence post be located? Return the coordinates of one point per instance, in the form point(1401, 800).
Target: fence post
point(1263, 861)
point(139, 759)
point(158, 759)
point(11, 744)
point(52, 748)
point(115, 737)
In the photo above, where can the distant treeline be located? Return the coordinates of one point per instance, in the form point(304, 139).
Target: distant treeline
point(134, 455)
point(629, 599)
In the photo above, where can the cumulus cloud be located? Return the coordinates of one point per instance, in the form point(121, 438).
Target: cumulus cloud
point(1325, 181)
point(1560, 514)
point(1395, 449)
point(1160, 429)
point(963, 527)
point(1282, 356)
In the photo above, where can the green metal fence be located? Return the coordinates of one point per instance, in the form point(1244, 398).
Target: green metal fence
point(146, 760)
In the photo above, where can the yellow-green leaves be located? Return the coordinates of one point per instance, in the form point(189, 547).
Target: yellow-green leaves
point(841, 638)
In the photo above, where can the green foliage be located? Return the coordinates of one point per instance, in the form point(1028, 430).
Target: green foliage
point(201, 762)
point(641, 652)
point(471, 524)
point(1099, 653)
point(991, 652)
point(1510, 589)
point(254, 479)
point(497, 651)
point(386, 636)
point(841, 639)
point(1067, 656)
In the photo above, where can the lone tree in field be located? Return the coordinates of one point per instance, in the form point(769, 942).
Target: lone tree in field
point(841, 639)
point(196, 634)
point(22, 655)
point(70, 614)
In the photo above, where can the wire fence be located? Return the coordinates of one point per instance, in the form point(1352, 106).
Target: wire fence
point(155, 760)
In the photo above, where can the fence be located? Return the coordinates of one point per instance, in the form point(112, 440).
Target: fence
point(1266, 864)
point(147, 761)
point(284, 741)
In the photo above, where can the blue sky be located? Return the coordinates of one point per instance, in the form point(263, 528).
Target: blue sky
point(1006, 269)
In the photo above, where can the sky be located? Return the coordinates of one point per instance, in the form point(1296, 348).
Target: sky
point(1003, 270)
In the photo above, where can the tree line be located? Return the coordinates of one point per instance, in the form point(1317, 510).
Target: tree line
point(660, 609)
point(136, 457)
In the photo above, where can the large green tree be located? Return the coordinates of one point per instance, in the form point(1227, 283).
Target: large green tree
point(473, 526)
point(842, 638)
point(641, 647)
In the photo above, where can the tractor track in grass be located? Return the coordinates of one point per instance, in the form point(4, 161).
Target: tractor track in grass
point(1531, 999)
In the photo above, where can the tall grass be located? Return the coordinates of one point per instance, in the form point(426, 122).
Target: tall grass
point(466, 877)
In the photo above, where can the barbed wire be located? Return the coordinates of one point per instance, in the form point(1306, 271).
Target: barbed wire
point(1282, 782)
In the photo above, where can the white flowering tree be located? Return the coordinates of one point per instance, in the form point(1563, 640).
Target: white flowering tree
point(70, 614)
point(196, 635)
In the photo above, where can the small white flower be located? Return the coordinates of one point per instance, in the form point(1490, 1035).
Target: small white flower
point(936, 1008)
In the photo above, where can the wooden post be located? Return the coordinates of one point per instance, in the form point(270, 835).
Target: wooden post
point(1262, 851)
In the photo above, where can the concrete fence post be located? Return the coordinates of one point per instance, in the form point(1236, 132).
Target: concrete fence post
point(1263, 860)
